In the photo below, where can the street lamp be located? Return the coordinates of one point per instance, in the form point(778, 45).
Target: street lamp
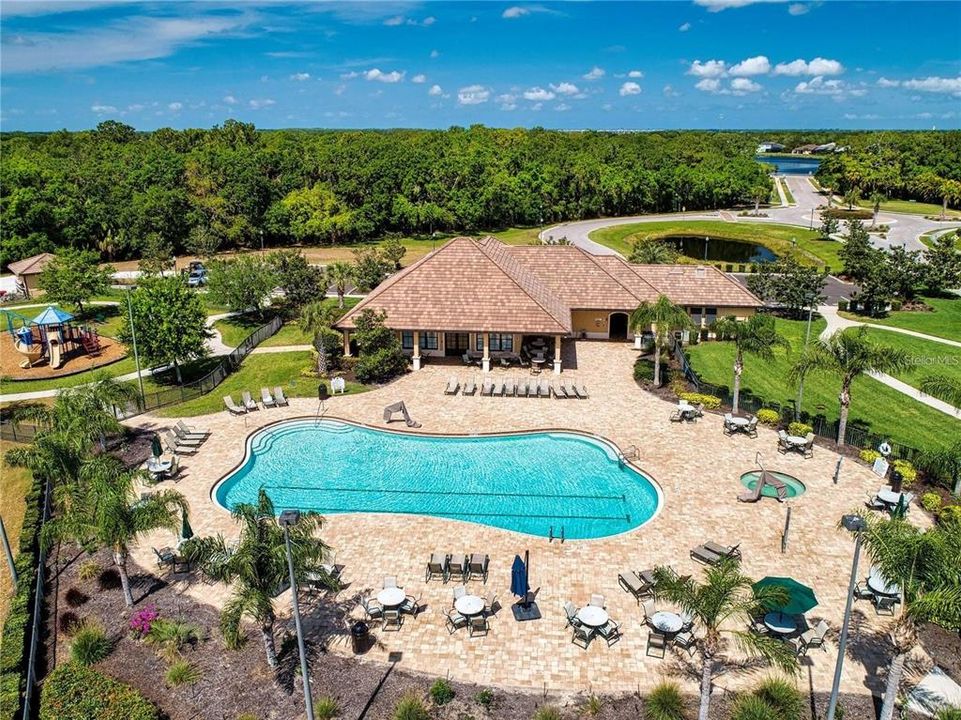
point(807, 339)
point(855, 524)
point(136, 356)
point(287, 520)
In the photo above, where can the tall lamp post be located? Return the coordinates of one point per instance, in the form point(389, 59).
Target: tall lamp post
point(807, 339)
point(855, 524)
point(287, 520)
point(136, 356)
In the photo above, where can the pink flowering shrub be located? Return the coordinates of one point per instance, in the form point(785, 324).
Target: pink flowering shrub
point(142, 619)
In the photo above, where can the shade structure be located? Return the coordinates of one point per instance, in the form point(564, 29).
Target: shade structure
point(52, 316)
point(155, 447)
point(801, 598)
point(519, 585)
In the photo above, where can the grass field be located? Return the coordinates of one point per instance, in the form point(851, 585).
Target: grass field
point(120, 367)
point(886, 411)
point(13, 489)
point(927, 357)
point(910, 207)
point(787, 192)
point(944, 321)
point(810, 250)
point(928, 238)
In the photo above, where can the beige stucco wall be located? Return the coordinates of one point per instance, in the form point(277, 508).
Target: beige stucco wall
point(596, 323)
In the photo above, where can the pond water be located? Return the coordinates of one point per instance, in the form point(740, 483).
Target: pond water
point(732, 251)
point(794, 165)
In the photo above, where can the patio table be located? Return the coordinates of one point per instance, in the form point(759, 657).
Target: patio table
point(740, 421)
point(779, 623)
point(796, 440)
point(391, 597)
point(593, 616)
point(667, 622)
point(469, 605)
point(158, 466)
point(881, 585)
point(889, 497)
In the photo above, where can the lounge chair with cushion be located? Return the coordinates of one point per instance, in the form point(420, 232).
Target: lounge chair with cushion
point(455, 621)
point(176, 447)
point(543, 388)
point(487, 387)
point(560, 392)
point(437, 567)
point(266, 398)
point(232, 407)
point(478, 566)
point(457, 567)
point(452, 386)
point(279, 396)
point(498, 388)
point(581, 390)
point(470, 387)
point(510, 387)
point(522, 387)
point(194, 433)
point(185, 439)
point(634, 585)
point(248, 401)
point(570, 390)
point(733, 551)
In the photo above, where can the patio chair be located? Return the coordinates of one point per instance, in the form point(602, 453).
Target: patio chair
point(165, 557)
point(687, 641)
point(656, 641)
point(756, 625)
point(457, 567)
point(452, 386)
point(487, 387)
point(478, 566)
point(279, 397)
point(372, 609)
point(863, 592)
point(610, 631)
point(478, 625)
point(437, 567)
point(183, 439)
point(729, 427)
point(543, 388)
point(193, 433)
point(393, 620)
point(522, 387)
point(582, 636)
point(459, 592)
point(266, 399)
point(390, 581)
point(410, 606)
point(751, 428)
point(176, 447)
point(687, 622)
point(248, 401)
point(814, 638)
point(173, 471)
point(649, 609)
point(782, 444)
point(470, 387)
point(581, 390)
point(597, 600)
point(455, 621)
point(570, 612)
point(808, 448)
point(704, 556)
point(570, 390)
point(875, 503)
point(498, 388)
point(884, 604)
point(633, 584)
point(732, 551)
point(493, 604)
point(560, 392)
point(232, 407)
point(510, 387)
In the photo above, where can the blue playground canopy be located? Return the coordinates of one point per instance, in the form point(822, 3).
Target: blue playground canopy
point(52, 316)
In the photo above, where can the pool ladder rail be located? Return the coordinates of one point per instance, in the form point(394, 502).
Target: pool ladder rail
point(631, 453)
point(551, 537)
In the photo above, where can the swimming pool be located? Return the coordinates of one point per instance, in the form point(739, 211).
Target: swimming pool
point(793, 486)
point(526, 482)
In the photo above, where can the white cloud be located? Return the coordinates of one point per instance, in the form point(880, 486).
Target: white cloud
point(798, 9)
point(629, 88)
point(741, 86)
point(175, 107)
point(397, 20)
point(669, 91)
point(538, 94)
point(709, 69)
point(103, 109)
point(434, 54)
point(758, 65)
point(818, 66)
point(835, 88)
point(394, 21)
point(711, 85)
point(230, 99)
point(419, 78)
point(718, 5)
point(394, 76)
point(473, 95)
point(595, 73)
point(435, 90)
point(934, 84)
point(685, 27)
point(300, 77)
point(349, 75)
point(428, 21)
point(635, 74)
point(885, 83)
point(260, 104)
point(515, 12)
point(565, 88)
point(340, 89)
point(136, 107)
point(562, 107)
point(507, 101)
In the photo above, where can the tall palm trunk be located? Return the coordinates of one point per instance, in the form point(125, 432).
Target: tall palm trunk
point(267, 633)
point(845, 398)
point(340, 296)
point(893, 684)
point(180, 379)
point(120, 560)
point(738, 369)
point(657, 361)
point(944, 206)
point(707, 671)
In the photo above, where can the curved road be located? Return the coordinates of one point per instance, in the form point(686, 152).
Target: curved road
point(905, 229)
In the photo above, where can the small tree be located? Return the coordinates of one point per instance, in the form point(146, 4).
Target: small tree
point(156, 255)
point(170, 323)
point(301, 281)
point(316, 319)
point(663, 317)
point(942, 266)
point(73, 277)
point(241, 285)
point(905, 272)
point(829, 226)
point(340, 275)
point(950, 192)
point(760, 193)
point(757, 336)
point(381, 357)
point(877, 198)
point(789, 284)
point(852, 198)
point(649, 251)
point(857, 254)
point(392, 250)
point(203, 242)
point(370, 268)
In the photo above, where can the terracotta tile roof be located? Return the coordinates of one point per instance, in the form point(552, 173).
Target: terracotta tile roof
point(467, 286)
point(697, 285)
point(31, 265)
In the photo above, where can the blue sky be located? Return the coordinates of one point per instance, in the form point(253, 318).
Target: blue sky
point(700, 64)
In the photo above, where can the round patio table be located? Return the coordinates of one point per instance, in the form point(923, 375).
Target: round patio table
point(391, 597)
point(469, 605)
point(796, 440)
point(889, 497)
point(740, 421)
point(667, 622)
point(779, 623)
point(881, 585)
point(593, 616)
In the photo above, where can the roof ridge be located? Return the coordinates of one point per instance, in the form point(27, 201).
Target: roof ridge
point(623, 262)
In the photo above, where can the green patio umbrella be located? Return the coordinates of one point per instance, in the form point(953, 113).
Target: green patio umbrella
point(801, 598)
point(186, 532)
point(155, 446)
point(900, 511)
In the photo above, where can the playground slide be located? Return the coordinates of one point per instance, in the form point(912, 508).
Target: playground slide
point(53, 350)
point(33, 352)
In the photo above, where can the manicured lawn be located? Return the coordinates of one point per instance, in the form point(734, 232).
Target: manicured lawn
point(887, 411)
point(909, 206)
point(291, 334)
point(810, 250)
point(928, 238)
point(943, 321)
point(235, 329)
point(787, 193)
point(121, 367)
point(927, 357)
point(13, 489)
point(257, 371)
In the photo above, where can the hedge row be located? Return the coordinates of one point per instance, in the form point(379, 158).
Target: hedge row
point(13, 642)
point(75, 692)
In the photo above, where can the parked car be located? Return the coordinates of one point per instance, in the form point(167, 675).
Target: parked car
point(197, 278)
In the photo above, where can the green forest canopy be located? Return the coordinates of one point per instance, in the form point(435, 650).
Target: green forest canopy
point(116, 190)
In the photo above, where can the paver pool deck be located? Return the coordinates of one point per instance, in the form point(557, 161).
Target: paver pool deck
point(698, 469)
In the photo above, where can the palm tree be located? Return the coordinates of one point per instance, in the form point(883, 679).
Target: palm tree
point(757, 335)
point(758, 193)
point(943, 387)
point(852, 197)
point(316, 318)
point(927, 566)
point(876, 199)
point(100, 510)
point(340, 275)
point(848, 355)
point(664, 317)
point(722, 605)
point(945, 462)
point(257, 566)
point(93, 405)
point(652, 252)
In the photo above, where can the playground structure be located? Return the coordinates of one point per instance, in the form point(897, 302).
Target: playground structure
point(50, 337)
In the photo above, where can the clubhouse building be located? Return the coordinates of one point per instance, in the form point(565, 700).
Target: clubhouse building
point(485, 301)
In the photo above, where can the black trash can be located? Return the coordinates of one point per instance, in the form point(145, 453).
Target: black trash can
point(897, 481)
point(359, 636)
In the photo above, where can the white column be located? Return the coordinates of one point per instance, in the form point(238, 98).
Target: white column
point(557, 354)
point(416, 349)
point(346, 343)
point(637, 342)
point(487, 353)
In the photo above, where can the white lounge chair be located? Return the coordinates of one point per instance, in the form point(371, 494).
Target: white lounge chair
point(581, 390)
point(560, 392)
point(487, 388)
point(470, 387)
point(452, 386)
point(192, 432)
point(248, 401)
point(266, 398)
point(232, 407)
point(279, 397)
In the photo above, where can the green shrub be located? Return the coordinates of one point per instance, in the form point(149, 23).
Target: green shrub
point(248, 716)
point(908, 472)
point(592, 706)
point(326, 708)
point(380, 365)
point(799, 429)
point(783, 697)
point(950, 514)
point(931, 502)
point(75, 692)
point(182, 672)
point(485, 698)
point(766, 416)
point(441, 692)
point(711, 402)
point(90, 645)
point(69, 623)
point(411, 707)
point(751, 707)
point(644, 370)
point(869, 456)
point(665, 702)
point(170, 637)
point(948, 713)
point(548, 712)
point(88, 570)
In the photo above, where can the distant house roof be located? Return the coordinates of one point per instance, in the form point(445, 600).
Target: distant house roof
point(486, 286)
point(31, 265)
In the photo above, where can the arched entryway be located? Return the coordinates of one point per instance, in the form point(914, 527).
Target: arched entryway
point(617, 328)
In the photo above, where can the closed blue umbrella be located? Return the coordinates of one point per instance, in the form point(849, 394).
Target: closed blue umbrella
point(519, 585)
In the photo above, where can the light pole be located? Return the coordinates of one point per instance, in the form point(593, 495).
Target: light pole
point(136, 356)
point(855, 524)
point(807, 339)
point(287, 520)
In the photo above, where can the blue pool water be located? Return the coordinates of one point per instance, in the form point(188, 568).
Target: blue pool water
point(525, 482)
point(795, 165)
